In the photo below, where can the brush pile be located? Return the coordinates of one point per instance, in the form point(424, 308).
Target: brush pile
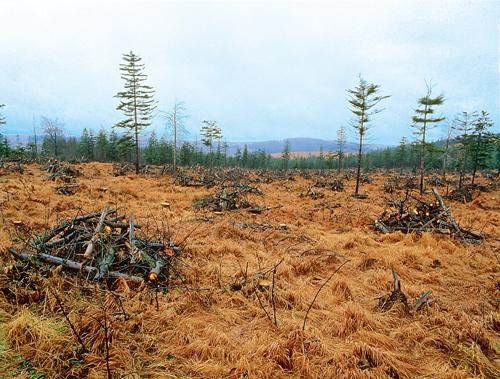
point(122, 169)
point(417, 215)
point(435, 181)
point(228, 199)
point(102, 245)
point(309, 192)
point(10, 166)
point(399, 183)
point(64, 171)
point(67, 189)
point(463, 195)
point(333, 184)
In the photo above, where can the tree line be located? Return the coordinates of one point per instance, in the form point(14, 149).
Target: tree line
point(468, 146)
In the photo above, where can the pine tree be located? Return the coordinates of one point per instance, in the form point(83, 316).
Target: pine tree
point(321, 158)
point(136, 101)
point(401, 154)
point(112, 148)
point(237, 156)
point(363, 98)
point(483, 142)
point(423, 120)
point(101, 145)
point(210, 131)
point(341, 140)
point(244, 156)
point(152, 151)
point(285, 154)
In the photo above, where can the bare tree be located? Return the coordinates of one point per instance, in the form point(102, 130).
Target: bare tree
point(341, 140)
point(175, 121)
point(53, 131)
point(449, 134)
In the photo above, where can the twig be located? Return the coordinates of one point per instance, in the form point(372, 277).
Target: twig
point(68, 320)
point(272, 292)
point(317, 293)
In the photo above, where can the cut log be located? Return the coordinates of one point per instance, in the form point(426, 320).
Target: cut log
point(71, 265)
point(90, 251)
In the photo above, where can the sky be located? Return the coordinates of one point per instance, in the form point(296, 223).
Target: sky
point(263, 69)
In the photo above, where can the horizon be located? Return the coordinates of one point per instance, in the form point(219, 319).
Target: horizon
point(258, 69)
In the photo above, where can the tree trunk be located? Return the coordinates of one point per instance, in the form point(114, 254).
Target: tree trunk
point(476, 157)
point(175, 138)
point(445, 159)
point(422, 153)
point(359, 160)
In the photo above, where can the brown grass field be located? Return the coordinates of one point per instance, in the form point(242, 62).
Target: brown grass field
point(210, 329)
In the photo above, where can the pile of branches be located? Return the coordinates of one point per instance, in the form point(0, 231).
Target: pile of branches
point(122, 169)
point(417, 215)
point(435, 181)
point(309, 192)
point(365, 179)
point(63, 171)
point(333, 184)
point(102, 245)
point(463, 194)
point(11, 166)
point(67, 189)
point(399, 182)
point(228, 198)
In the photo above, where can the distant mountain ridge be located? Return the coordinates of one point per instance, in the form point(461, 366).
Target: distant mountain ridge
point(302, 145)
point(299, 145)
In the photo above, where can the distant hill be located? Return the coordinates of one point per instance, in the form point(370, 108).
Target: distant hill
point(302, 145)
point(298, 145)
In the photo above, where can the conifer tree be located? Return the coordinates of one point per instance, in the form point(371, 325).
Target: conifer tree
point(423, 120)
point(401, 154)
point(363, 100)
point(136, 100)
point(101, 145)
point(285, 154)
point(244, 156)
point(483, 141)
point(341, 140)
point(210, 131)
point(112, 148)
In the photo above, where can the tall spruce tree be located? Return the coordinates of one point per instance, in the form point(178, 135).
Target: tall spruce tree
point(423, 120)
point(101, 145)
point(136, 100)
point(363, 100)
point(483, 142)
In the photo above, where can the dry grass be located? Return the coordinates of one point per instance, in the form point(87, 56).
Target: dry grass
point(220, 329)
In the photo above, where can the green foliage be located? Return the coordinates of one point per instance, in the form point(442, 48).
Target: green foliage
point(136, 100)
point(285, 154)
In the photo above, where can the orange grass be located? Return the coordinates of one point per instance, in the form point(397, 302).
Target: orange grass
point(222, 331)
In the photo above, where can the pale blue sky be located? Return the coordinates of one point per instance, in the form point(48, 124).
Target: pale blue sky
point(264, 70)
